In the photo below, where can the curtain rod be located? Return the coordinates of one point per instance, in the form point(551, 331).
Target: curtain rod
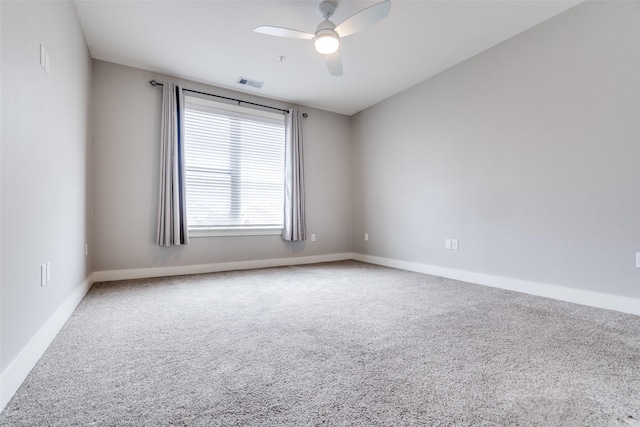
point(155, 83)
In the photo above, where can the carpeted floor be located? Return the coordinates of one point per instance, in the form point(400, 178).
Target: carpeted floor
point(344, 344)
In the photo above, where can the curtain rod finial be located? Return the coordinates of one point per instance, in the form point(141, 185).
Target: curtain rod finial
point(305, 115)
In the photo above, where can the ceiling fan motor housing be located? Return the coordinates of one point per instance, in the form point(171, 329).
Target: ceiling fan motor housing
point(326, 27)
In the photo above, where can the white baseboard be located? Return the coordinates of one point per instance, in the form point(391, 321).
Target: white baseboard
point(578, 296)
point(140, 273)
point(17, 371)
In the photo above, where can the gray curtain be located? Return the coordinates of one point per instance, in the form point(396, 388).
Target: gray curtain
point(172, 210)
point(295, 227)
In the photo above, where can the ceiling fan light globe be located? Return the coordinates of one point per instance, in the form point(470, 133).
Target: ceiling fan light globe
point(326, 44)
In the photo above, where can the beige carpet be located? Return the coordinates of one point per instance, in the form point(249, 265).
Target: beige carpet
point(344, 344)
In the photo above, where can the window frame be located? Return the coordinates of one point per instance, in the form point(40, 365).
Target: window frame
point(201, 104)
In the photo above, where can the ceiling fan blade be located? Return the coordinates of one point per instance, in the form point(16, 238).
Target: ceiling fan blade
point(283, 32)
point(334, 64)
point(364, 18)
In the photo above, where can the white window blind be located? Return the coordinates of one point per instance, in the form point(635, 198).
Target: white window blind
point(234, 166)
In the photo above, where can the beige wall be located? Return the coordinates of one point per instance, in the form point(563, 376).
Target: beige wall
point(126, 159)
point(45, 174)
point(527, 153)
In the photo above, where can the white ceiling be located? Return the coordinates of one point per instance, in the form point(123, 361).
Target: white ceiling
point(213, 42)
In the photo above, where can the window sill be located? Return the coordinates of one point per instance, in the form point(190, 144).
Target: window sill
point(225, 232)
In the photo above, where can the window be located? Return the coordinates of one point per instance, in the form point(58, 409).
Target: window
point(234, 160)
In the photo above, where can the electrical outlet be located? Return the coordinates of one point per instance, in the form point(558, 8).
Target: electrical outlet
point(447, 243)
point(313, 237)
point(43, 274)
point(454, 244)
point(366, 237)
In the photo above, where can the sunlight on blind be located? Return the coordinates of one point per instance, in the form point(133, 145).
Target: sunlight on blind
point(234, 169)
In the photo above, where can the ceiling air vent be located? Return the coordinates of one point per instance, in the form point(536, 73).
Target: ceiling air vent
point(249, 82)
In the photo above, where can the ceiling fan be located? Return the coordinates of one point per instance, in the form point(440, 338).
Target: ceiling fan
point(327, 35)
